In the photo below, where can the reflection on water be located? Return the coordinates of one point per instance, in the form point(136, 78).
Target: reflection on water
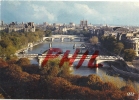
point(34, 61)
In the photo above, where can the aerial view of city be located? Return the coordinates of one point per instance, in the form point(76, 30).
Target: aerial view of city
point(84, 50)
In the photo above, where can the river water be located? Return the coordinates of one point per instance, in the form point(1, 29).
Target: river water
point(66, 45)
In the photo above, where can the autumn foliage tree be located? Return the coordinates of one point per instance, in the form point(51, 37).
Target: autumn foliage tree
point(129, 89)
point(23, 62)
point(3, 63)
point(94, 82)
point(53, 82)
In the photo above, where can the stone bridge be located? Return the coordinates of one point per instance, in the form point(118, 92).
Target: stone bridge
point(99, 59)
point(62, 37)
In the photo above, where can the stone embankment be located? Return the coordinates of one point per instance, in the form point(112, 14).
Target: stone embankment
point(26, 48)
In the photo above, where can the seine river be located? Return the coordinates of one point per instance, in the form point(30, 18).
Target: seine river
point(67, 45)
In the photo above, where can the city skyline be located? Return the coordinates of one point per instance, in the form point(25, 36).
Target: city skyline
point(102, 12)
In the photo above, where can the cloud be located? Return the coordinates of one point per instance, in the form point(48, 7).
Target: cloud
point(136, 4)
point(14, 3)
point(42, 12)
point(85, 9)
point(70, 11)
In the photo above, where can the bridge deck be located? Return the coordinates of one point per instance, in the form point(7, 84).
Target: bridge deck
point(64, 36)
point(106, 58)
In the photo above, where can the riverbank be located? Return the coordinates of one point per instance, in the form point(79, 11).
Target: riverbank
point(26, 48)
point(126, 74)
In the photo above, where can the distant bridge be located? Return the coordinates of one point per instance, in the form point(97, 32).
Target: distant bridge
point(99, 59)
point(62, 37)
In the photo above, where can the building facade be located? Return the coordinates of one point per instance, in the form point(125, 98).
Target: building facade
point(134, 44)
point(14, 27)
point(29, 27)
point(83, 23)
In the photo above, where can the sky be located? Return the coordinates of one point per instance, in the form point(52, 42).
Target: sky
point(95, 12)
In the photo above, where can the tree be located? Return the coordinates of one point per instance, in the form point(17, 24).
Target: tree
point(48, 33)
point(65, 70)
point(3, 63)
point(94, 82)
point(128, 88)
point(129, 54)
point(13, 72)
point(93, 79)
point(94, 40)
point(16, 42)
point(85, 33)
point(5, 43)
point(10, 50)
point(118, 48)
point(12, 60)
point(51, 68)
point(23, 61)
point(108, 42)
point(109, 86)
